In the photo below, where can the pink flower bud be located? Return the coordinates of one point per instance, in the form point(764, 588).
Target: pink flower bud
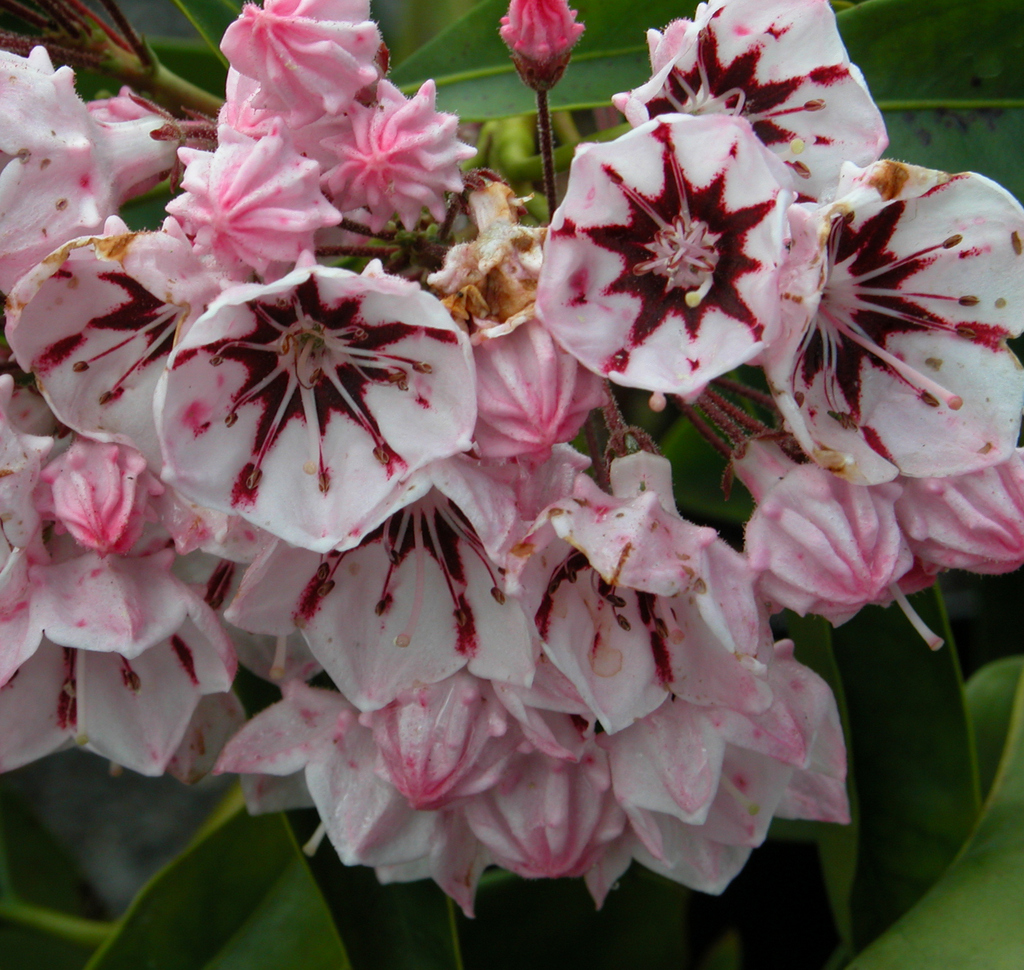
point(540, 34)
point(100, 493)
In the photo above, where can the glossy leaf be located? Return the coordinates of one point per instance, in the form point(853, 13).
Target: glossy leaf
point(36, 870)
point(963, 62)
point(972, 918)
point(911, 745)
point(990, 693)
point(475, 77)
point(837, 844)
point(553, 925)
point(210, 18)
point(725, 954)
point(240, 899)
point(402, 926)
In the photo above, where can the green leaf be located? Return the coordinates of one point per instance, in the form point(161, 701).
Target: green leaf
point(193, 60)
point(725, 954)
point(475, 77)
point(552, 924)
point(913, 754)
point(210, 18)
point(990, 693)
point(402, 926)
point(35, 869)
point(837, 844)
point(950, 78)
point(972, 918)
point(241, 899)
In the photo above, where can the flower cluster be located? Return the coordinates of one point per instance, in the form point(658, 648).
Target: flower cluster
point(219, 445)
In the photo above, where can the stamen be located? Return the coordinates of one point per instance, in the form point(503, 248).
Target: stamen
point(933, 640)
point(277, 667)
point(311, 847)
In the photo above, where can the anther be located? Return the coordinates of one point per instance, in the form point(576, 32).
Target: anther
point(499, 596)
point(79, 366)
point(969, 301)
point(230, 418)
point(216, 361)
point(421, 367)
point(381, 455)
point(323, 571)
point(325, 588)
point(253, 479)
point(623, 622)
point(816, 105)
point(953, 241)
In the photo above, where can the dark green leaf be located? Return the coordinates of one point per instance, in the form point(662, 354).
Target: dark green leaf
point(910, 744)
point(726, 954)
point(402, 926)
point(972, 917)
point(475, 77)
point(553, 924)
point(35, 868)
point(837, 844)
point(210, 18)
point(240, 899)
point(990, 693)
point(966, 60)
point(192, 60)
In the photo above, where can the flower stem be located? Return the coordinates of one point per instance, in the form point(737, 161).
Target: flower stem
point(519, 170)
point(545, 137)
point(88, 933)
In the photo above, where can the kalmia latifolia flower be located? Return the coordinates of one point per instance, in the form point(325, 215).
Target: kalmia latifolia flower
point(398, 156)
point(365, 478)
point(540, 35)
point(782, 67)
point(661, 265)
point(900, 296)
point(306, 404)
point(310, 57)
point(95, 322)
point(62, 172)
point(251, 202)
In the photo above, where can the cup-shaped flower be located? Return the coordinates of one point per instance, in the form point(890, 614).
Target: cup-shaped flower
point(415, 602)
point(304, 404)
point(900, 296)
point(95, 322)
point(781, 65)
point(661, 265)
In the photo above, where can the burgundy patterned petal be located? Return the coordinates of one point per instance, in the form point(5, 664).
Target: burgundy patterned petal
point(661, 264)
point(305, 404)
